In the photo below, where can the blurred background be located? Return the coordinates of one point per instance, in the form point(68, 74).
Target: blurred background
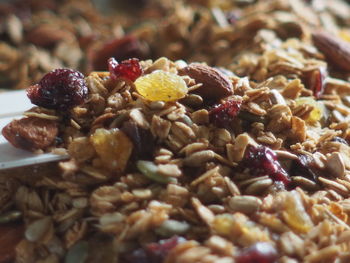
point(37, 36)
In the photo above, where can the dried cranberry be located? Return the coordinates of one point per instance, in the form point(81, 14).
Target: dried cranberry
point(155, 252)
point(261, 252)
point(261, 161)
point(315, 81)
point(142, 139)
point(60, 89)
point(222, 115)
point(303, 166)
point(129, 69)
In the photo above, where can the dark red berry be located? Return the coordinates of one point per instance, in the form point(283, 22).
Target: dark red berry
point(128, 69)
point(315, 81)
point(60, 89)
point(262, 161)
point(223, 114)
point(155, 252)
point(261, 252)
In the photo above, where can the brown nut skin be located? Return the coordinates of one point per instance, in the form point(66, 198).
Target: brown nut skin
point(31, 133)
point(336, 50)
point(215, 84)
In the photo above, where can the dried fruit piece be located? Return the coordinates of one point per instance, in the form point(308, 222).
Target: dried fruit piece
point(303, 167)
point(221, 115)
point(60, 89)
point(215, 84)
point(155, 252)
point(334, 48)
point(315, 81)
point(113, 147)
point(10, 236)
point(261, 161)
point(161, 85)
point(128, 69)
point(31, 133)
point(142, 139)
point(261, 252)
point(293, 212)
point(316, 114)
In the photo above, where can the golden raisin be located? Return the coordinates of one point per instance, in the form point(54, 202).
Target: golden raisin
point(317, 112)
point(161, 85)
point(113, 147)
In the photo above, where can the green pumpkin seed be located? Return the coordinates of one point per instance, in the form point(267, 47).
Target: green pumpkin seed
point(150, 170)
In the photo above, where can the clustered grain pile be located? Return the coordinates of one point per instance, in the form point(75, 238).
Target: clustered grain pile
point(250, 163)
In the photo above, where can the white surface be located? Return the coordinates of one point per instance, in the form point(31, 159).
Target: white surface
point(12, 105)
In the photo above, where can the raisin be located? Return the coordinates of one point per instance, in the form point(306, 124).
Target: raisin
point(303, 167)
point(223, 114)
point(129, 69)
point(262, 161)
point(142, 139)
point(261, 252)
point(60, 89)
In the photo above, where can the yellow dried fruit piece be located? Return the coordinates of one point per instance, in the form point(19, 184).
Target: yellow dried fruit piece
point(223, 224)
point(113, 147)
point(161, 85)
point(345, 35)
point(294, 213)
point(316, 114)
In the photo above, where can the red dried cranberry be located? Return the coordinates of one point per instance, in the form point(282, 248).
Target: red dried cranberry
point(261, 161)
point(261, 252)
point(222, 115)
point(155, 252)
point(315, 81)
point(129, 69)
point(60, 89)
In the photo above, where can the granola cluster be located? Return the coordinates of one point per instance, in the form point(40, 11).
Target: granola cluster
point(173, 161)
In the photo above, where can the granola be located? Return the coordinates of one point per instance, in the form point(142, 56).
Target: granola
point(245, 164)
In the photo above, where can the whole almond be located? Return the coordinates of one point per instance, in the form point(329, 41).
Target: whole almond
point(215, 86)
point(336, 50)
point(31, 133)
point(47, 35)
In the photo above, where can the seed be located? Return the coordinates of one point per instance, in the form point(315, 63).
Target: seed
point(150, 170)
point(10, 217)
point(172, 227)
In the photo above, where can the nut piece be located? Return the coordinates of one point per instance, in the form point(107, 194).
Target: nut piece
point(215, 84)
point(31, 133)
point(335, 49)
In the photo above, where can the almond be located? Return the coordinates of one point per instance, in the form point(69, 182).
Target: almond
point(215, 84)
point(336, 50)
point(31, 133)
point(47, 35)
